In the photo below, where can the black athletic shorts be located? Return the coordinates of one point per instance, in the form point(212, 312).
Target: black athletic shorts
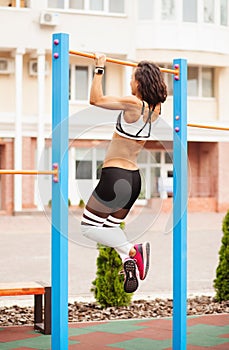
point(118, 188)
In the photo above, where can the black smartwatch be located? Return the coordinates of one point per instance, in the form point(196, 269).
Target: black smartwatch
point(99, 70)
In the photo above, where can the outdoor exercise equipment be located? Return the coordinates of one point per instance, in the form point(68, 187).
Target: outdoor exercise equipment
point(60, 71)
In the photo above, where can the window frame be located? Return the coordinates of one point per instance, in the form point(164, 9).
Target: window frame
point(189, 21)
point(199, 82)
point(227, 14)
point(208, 22)
point(72, 82)
point(72, 92)
point(86, 8)
point(174, 14)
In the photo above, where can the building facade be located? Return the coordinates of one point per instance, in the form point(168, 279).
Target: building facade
point(155, 30)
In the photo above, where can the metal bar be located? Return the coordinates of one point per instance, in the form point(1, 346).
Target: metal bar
point(122, 62)
point(180, 208)
point(28, 172)
point(59, 260)
point(208, 127)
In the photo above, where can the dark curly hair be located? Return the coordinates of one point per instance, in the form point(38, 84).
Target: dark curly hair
point(151, 84)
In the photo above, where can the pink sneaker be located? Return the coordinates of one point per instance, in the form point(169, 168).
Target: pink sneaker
point(130, 279)
point(142, 258)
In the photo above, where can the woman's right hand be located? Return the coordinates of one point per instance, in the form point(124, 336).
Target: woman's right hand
point(100, 59)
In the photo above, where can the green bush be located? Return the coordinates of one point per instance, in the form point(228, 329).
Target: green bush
point(81, 203)
point(221, 283)
point(50, 203)
point(108, 285)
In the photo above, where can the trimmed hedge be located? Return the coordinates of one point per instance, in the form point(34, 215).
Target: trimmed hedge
point(221, 283)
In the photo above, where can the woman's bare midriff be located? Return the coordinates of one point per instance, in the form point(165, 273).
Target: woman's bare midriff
point(123, 153)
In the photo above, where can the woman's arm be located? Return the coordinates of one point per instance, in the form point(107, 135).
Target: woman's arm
point(97, 97)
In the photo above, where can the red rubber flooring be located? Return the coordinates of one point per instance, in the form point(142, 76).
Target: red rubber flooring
point(203, 332)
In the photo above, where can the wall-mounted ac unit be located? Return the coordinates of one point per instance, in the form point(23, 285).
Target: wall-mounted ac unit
point(6, 65)
point(33, 67)
point(49, 19)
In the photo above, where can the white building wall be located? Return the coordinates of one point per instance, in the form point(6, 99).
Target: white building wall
point(124, 36)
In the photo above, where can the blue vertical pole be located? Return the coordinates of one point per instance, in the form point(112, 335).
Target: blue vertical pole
point(180, 207)
point(59, 261)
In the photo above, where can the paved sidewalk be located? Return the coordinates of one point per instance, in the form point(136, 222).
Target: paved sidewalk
point(25, 256)
point(203, 332)
point(25, 252)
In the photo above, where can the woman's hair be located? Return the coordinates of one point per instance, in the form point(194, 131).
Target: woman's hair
point(151, 84)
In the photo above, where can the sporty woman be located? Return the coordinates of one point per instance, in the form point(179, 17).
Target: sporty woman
point(120, 181)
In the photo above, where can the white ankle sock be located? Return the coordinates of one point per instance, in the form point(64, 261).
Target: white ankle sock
point(109, 236)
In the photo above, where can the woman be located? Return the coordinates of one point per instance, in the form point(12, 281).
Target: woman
point(120, 181)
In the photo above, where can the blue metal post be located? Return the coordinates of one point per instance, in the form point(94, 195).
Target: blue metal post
point(60, 88)
point(180, 207)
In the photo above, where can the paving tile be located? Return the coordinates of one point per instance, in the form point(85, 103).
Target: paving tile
point(206, 335)
point(17, 333)
point(100, 340)
point(204, 332)
point(219, 319)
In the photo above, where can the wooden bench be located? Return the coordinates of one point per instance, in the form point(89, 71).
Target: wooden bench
point(40, 292)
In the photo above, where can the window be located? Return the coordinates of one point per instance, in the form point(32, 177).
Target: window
point(96, 5)
point(169, 157)
point(80, 78)
point(81, 83)
point(168, 9)
point(209, 11)
point(76, 4)
point(201, 82)
point(155, 174)
point(193, 81)
point(155, 157)
point(88, 162)
point(100, 155)
point(207, 82)
point(107, 6)
point(83, 169)
point(56, 4)
point(14, 3)
point(155, 168)
point(190, 11)
point(168, 79)
point(224, 12)
point(116, 6)
point(145, 9)
point(83, 163)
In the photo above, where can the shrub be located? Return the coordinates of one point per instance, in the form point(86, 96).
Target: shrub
point(221, 283)
point(50, 203)
point(81, 203)
point(108, 285)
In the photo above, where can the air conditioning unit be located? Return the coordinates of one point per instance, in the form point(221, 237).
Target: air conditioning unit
point(33, 67)
point(6, 65)
point(49, 19)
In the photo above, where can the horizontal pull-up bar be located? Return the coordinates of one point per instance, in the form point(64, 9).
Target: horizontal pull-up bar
point(208, 127)
point(117, 61)
point(54, 172)
point(27, 172)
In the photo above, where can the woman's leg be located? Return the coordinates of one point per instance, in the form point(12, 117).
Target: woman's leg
point(109, 204)
point(103, 226)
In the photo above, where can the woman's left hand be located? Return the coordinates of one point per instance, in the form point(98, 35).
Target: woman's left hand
point(100, 59)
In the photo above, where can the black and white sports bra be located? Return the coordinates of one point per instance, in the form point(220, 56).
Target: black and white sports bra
point(138, 130)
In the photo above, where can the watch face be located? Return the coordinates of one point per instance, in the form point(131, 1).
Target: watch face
point(99, 70)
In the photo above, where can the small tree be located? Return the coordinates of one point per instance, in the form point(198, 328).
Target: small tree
point(221, 283)
point(108, 285)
